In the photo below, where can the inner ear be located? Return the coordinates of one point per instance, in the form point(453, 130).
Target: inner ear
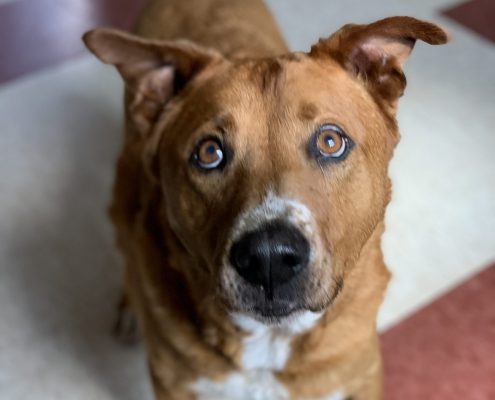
point(378, 48)
point(380, 69)
point(149, 95)
point(376, 52)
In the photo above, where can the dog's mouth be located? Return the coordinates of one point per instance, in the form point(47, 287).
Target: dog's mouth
point(253, 302)
point(275, 314)
point(313, 290)
point(275, 310)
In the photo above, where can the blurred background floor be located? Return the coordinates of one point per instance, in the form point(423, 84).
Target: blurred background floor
point(60, 131)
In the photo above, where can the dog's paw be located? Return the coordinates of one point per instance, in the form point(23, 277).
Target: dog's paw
point(126, 328)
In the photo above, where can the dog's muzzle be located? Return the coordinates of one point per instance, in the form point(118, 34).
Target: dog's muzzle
point(271, 256)
point(270, 267)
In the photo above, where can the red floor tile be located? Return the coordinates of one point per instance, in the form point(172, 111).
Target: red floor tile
point(446, 351)
point(477, 15)
point(37, 34)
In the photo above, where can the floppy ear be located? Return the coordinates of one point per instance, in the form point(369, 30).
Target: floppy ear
point(153, 70)
point(375, 53)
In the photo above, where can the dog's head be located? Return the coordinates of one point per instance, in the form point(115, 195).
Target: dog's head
point(273, 171)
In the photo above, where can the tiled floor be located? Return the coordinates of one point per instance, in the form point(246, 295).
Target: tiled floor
point(478, 15)
point(445, 351)
point(60, 129)
point(56, 27)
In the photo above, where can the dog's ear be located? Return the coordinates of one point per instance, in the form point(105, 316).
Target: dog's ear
point(153, 70)
point(375, 53)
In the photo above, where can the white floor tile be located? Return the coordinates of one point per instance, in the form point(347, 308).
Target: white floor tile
point(59, 275)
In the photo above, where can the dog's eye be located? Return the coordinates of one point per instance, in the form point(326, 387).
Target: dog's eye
point(209, 154)
point(331, 142)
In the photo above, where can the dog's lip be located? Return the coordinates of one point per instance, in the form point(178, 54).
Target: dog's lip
point(267, 309)
point(275, 310)
point(279, 310)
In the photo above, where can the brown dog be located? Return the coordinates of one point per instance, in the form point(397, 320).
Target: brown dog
point(250, 198)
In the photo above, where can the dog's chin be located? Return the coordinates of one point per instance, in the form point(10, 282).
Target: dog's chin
point(283, 306)
point(276, 313)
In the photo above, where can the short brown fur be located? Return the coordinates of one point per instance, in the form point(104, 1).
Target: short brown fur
point(173, 221)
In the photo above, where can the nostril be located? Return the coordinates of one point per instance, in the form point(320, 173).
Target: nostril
point(271, 255)
point(291, 260)
point(254, 261)
point(241, 261)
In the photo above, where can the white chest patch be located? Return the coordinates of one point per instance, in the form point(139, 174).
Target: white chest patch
point(266, 349)
point(335, 396)
point(253, 385)
point(250, 385)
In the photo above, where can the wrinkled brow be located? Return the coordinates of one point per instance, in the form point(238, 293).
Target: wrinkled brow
point(225, 123)
point(307, 111)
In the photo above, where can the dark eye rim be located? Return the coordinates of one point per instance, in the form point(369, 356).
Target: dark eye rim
point(194, 155)
point(318, 155)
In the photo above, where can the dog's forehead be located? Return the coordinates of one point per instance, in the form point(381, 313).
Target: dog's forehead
point(277, 102)
point(293, 90)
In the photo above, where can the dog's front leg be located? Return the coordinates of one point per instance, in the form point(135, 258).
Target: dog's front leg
point(125, 328)
point(372, 389)
point(161, 375)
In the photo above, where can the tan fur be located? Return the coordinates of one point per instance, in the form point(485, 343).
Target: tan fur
point(173, 222)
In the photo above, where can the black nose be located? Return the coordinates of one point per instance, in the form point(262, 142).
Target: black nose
point(271, 255)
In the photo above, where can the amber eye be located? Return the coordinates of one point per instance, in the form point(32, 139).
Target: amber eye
point(331, 142)
point(209, 154)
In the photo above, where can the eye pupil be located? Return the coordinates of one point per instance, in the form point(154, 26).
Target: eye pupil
point(211, 150)
point(330, 141)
